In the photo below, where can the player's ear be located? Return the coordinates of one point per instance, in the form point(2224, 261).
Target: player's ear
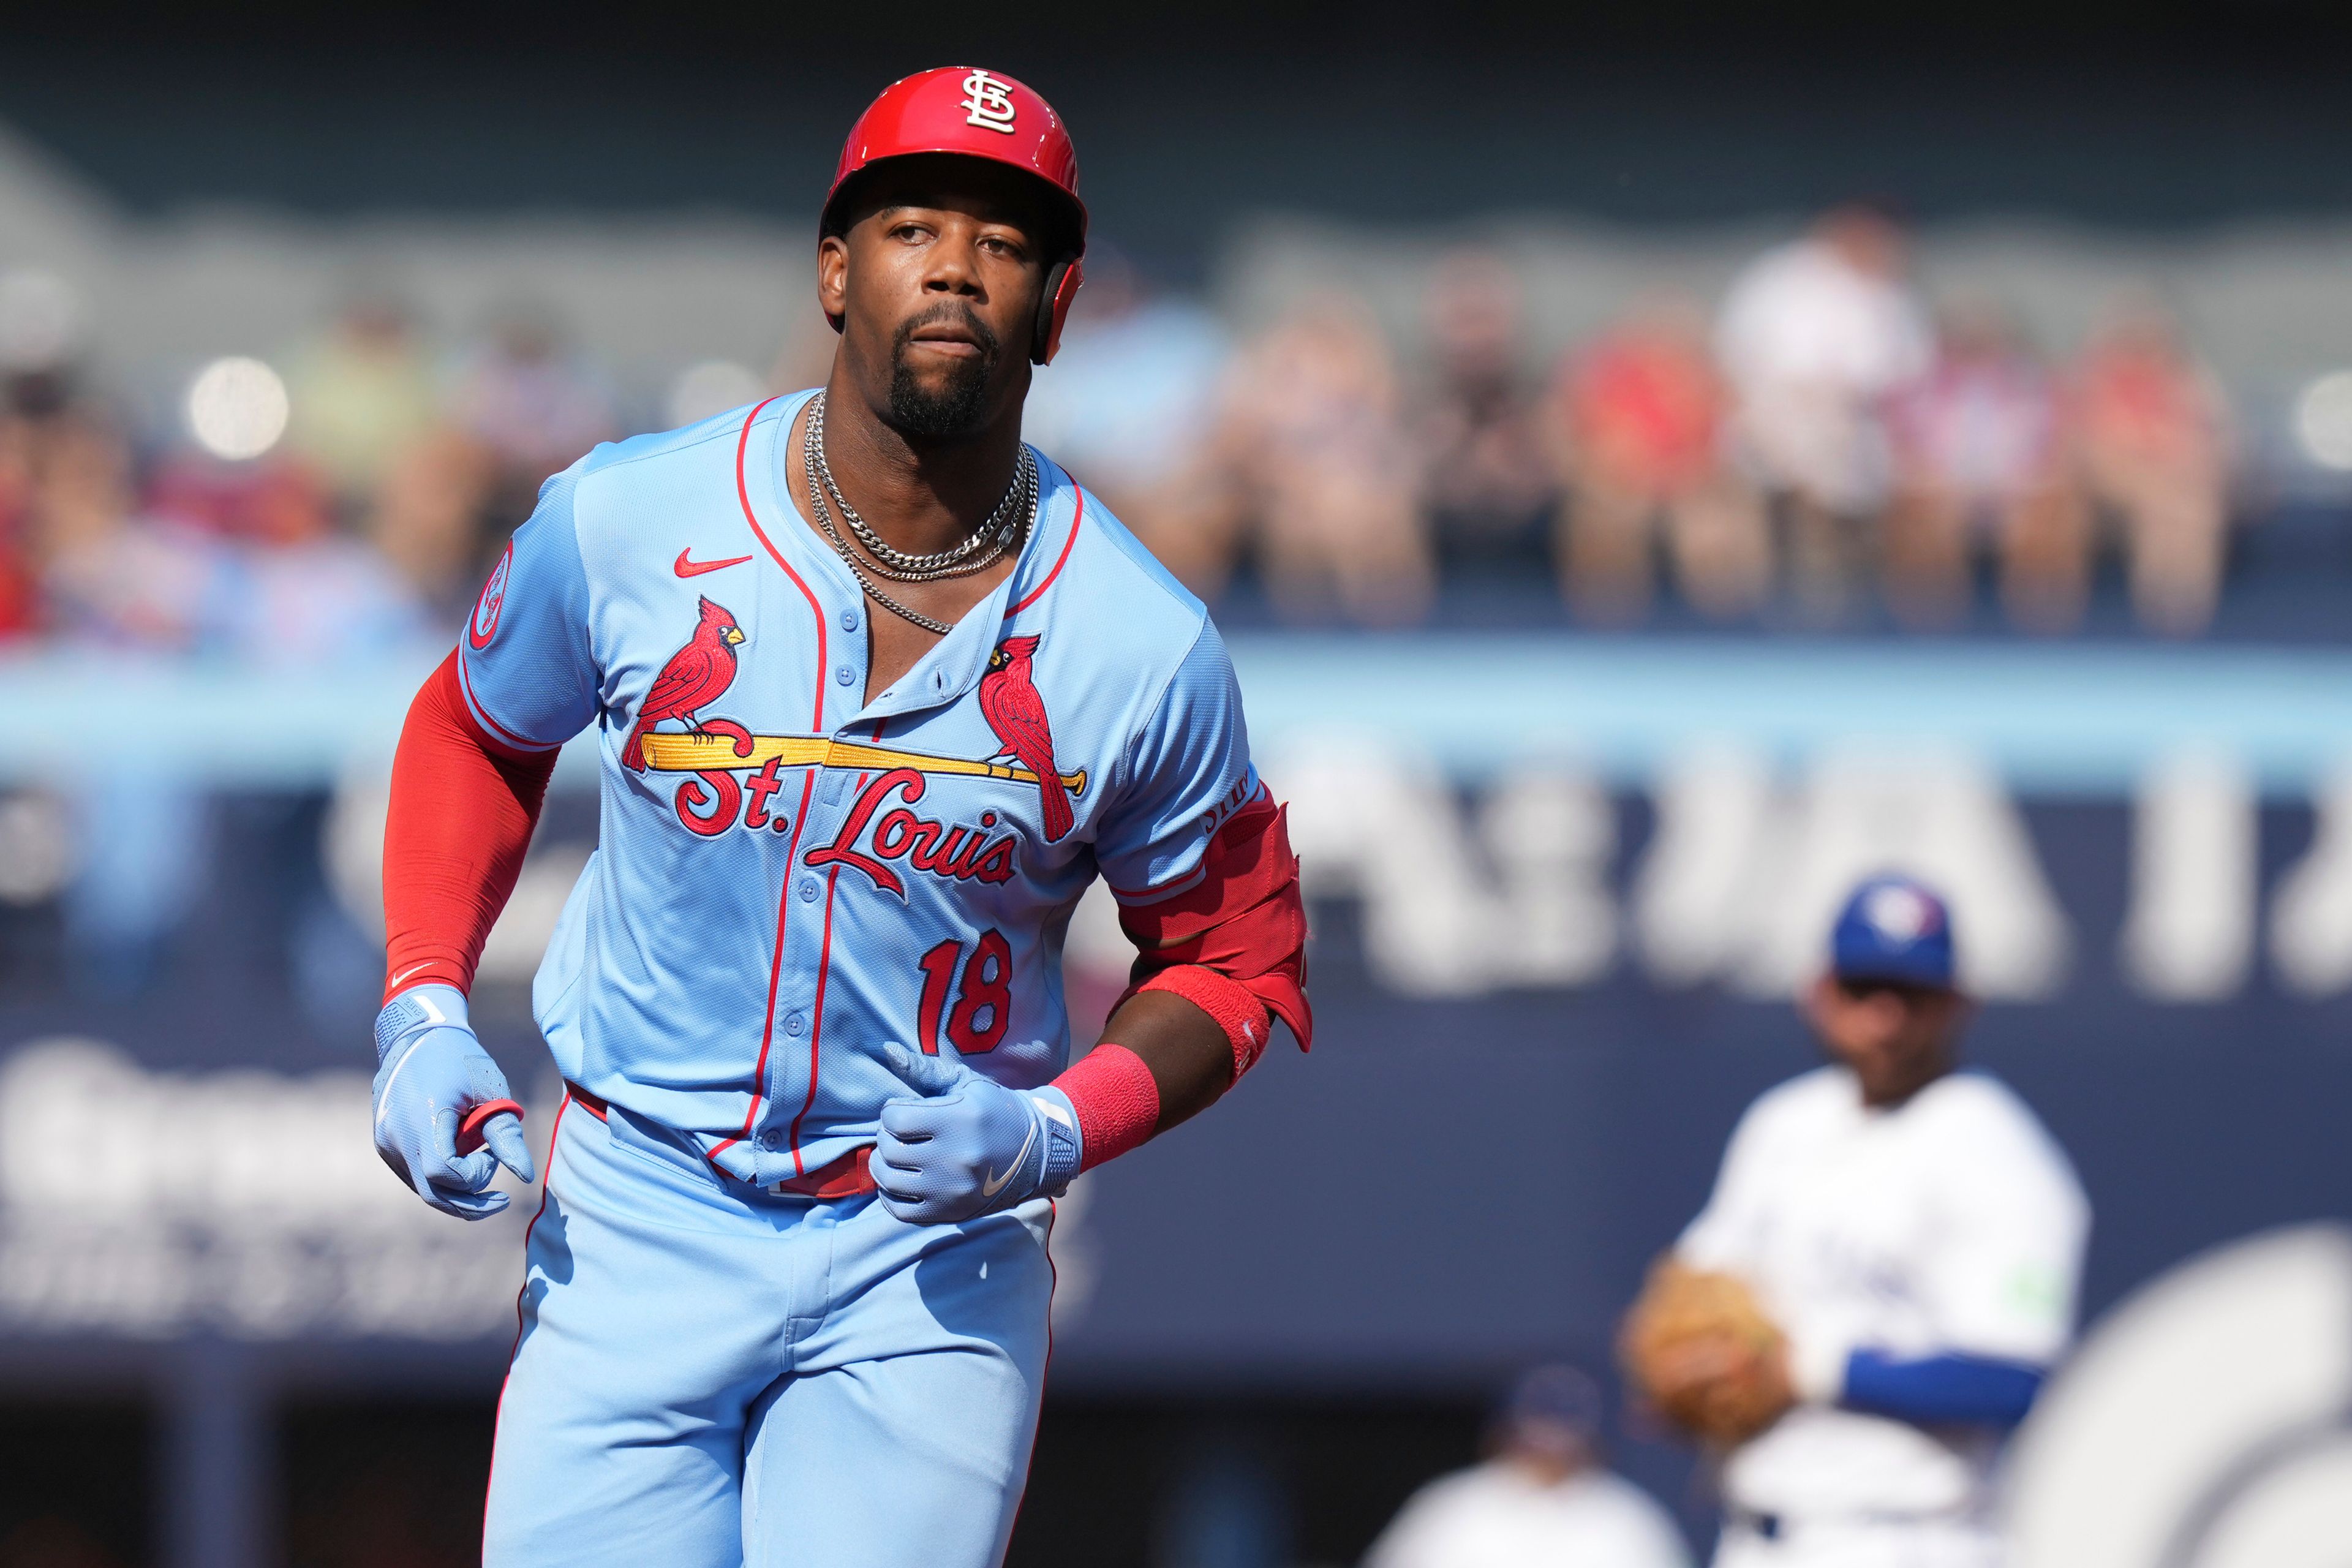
point(832, 278)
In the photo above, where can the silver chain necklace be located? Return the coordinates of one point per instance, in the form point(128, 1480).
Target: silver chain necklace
point(813, 459)
point(974, 550)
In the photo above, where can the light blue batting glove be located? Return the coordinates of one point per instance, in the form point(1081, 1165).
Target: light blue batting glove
point(962, 1146)
point(444, 1119)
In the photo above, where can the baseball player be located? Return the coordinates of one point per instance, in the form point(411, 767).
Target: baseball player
point(1543, 1498)
point(1884, 1273)
point(879, 691)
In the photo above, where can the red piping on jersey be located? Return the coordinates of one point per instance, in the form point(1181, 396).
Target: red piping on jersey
point(743, 494)
point(816, 1018)
point(808, 780)
point(816, 1010)
point(546, 1185)
point(775, 971)
point(1190, 880)
point(1037, 593)
point(473, 702)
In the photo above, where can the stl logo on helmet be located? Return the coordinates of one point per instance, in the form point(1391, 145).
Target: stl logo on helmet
point(988, 102)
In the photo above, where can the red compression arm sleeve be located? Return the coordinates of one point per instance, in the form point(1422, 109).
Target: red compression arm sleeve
point(463, 808)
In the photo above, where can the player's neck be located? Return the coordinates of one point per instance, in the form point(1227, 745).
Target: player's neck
point(1889, 1090)
point(921, 497)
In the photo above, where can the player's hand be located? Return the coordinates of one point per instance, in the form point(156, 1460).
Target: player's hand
point(433, 1077)
point(960, 1145)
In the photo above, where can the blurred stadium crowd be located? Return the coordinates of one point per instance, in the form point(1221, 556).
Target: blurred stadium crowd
point(1817, 448)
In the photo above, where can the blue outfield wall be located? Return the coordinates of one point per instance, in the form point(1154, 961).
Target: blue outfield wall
point(1475, 1165)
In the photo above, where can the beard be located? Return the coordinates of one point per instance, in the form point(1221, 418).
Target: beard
point(942, 413)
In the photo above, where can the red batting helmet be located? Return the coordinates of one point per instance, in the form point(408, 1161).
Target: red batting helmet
point(977, 113)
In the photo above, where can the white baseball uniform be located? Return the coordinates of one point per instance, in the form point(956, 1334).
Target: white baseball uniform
point(1949, 1224)
point(1497, 1515)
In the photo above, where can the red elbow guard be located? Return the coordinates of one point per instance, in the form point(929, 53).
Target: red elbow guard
point(1236, 939)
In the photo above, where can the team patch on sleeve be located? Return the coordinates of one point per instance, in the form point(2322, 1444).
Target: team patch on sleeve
point(484, 624)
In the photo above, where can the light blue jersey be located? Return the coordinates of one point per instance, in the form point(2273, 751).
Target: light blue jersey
point(788, 876)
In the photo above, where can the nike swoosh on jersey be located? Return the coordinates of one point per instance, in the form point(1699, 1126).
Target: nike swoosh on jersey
point(686, 568)
point(992, 1186)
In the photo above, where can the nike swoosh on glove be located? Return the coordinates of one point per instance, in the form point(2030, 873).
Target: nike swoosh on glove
point(962, 1146)
point(430, 1073)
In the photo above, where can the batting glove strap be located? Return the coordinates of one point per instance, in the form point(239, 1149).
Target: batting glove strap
point(1065, 1144)
point(418, 1008)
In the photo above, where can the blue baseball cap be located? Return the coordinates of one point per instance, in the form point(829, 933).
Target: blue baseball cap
point(1896, 929)
point(1563, 1399)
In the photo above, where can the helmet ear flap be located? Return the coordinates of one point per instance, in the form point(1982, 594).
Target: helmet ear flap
point(1062, 285)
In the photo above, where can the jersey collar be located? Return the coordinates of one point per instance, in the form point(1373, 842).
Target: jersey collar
point(959, 660)
point(956, 662)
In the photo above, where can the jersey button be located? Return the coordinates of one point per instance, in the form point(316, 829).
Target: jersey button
point(795, 1024)
point(770, 1139)
point(849, 620)
point(845, 675)
point(808, 890)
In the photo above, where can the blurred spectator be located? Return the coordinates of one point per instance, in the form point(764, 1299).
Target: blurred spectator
point(1816, 336)
point(361, 395)
point(1542, 1498)
point(532, 405)
point(237, 560)
point(524, 407)
point(1489, 484)
point(2152, 434)
point(64, 470)
point(1129, 402)
point(428, 522)
point(1976, 451)
point(1638, 422)
point(1311, 459)
point(136, 584)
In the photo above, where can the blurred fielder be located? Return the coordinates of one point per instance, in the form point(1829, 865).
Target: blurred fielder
point(1541, 1498)
point(1885, 1270)
point(879, 691)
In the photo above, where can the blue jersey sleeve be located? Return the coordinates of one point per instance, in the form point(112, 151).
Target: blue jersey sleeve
point(1188, 769)
point(1941, 1389)
point(529, 674)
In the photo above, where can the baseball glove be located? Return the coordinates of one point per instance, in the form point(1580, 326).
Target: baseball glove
point(1704, 1354)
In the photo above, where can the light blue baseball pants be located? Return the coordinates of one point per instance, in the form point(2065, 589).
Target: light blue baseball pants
point(709, 1376)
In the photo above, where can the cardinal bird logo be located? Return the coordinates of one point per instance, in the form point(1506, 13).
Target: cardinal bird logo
point(1009, 700)
point(691, 680)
